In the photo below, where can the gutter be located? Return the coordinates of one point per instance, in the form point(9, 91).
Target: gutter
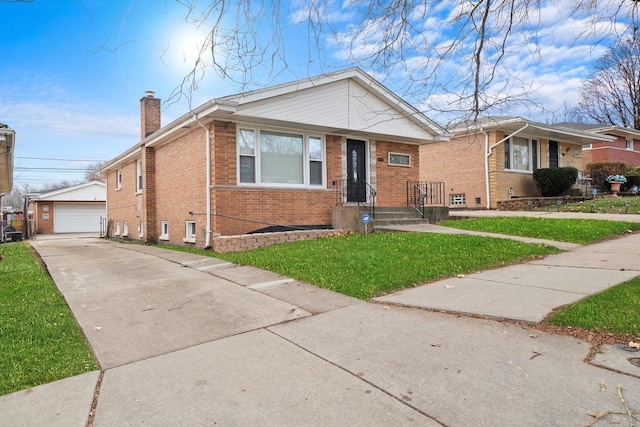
point(207, 244)
point(489, 151)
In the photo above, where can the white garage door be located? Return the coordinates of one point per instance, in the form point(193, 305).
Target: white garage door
point(77, 217)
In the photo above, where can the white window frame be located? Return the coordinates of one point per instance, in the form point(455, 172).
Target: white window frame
point(306, 157)
point(118, 179)
point(629, 144)
point(164, 230)
point(125, 229)
point(117, 233)
point(391, 156)
point(138, 176)
point(511, 151)
point(140, 229)
point(189, 232)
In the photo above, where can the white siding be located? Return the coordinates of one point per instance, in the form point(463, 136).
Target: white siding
point(344, 105)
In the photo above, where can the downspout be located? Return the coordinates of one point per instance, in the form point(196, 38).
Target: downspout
point(207, 243)
point(489, 151)
point(486, 168)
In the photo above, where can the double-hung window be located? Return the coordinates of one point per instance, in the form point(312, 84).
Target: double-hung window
point(275, 158)
point(521, 154)
point(118, 179)
point(138, 176)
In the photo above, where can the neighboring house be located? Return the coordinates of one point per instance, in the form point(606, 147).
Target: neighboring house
point(77, 209)
point(284, 155)
point(625, 148)
point(7, 143)
point(494, 159)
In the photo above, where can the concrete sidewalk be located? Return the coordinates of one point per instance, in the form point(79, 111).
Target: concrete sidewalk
point(190, 340)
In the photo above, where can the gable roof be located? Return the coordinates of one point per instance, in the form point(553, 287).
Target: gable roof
point(512, 125)
point(348, 102)
point(92, 191)
point(7, 145)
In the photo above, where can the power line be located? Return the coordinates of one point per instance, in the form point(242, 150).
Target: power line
point(50, 169)
point(60, 160)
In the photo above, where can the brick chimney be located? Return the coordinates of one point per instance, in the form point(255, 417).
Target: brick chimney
point(149, 114)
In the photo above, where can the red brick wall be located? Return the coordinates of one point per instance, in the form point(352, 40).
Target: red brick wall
point(44, 211)
point(391, 180)
point(180, 185)
point(123, 204)
point(613, 152)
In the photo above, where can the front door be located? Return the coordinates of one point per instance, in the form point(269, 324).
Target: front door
point(356, 171)
point(553, 154)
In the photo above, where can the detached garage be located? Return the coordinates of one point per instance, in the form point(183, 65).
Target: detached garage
point(77, 209)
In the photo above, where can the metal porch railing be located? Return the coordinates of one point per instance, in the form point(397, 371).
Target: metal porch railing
point(424, 193)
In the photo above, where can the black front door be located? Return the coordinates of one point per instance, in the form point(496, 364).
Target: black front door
point(356, 171)
point(553, 154)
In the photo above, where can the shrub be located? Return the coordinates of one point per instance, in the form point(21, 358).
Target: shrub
point(632, 179)
point(600, 171)
point(554, 181)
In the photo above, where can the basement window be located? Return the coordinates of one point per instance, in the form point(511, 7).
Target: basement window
point(190, 232)
point(164, 227)
point(125, 229)
point(457, 200)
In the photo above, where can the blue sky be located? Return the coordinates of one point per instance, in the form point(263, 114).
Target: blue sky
point(73, 72)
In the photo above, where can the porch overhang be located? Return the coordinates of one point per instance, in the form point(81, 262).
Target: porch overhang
point(539, 130)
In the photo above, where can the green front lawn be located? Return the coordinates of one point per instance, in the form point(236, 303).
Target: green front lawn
point(40, 341)
point(615, 310)
point(581, 231)
point(365, 266)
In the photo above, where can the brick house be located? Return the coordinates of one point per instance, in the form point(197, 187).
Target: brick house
point(624, 148)
point(494, 159)
point(284, 155)
point(77, 209)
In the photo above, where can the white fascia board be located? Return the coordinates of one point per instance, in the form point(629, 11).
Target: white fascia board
point(513, 124)
point(68, 189)
point(126, 157)
point(173, 130)
point(617, 130)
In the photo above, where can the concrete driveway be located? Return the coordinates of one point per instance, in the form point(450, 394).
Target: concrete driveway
point(189, 340)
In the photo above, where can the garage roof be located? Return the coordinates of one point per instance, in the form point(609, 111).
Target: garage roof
point(93, 191)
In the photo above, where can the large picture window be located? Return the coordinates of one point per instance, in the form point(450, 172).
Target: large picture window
point(521, 154)
point(274, 158)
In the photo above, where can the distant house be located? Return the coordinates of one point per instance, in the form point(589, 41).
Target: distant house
point(7, 144)
point(280, 156)
point(624, 148)
point(77, 209)
point(494, 159)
